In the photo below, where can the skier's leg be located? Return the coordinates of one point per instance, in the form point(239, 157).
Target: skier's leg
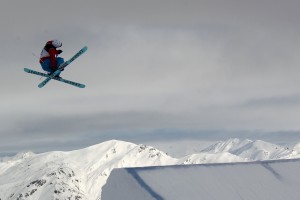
point(59, 61)
point(46, 65)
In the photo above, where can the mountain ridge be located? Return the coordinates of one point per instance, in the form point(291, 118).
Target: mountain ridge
point(80, 174)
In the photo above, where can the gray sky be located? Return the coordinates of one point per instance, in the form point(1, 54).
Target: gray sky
point(189, 66)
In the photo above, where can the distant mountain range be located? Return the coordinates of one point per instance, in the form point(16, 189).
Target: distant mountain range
point(81, 174)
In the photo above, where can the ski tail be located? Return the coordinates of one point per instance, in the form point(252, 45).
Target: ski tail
point(79, 85)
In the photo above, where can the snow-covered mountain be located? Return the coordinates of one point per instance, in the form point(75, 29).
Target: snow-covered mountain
point(81, 174)
point(252, 150)
point(70, 175)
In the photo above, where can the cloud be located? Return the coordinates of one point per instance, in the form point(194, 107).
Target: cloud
point(277, 101)
point(151, 65)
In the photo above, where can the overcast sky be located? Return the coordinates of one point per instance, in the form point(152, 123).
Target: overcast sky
point(189, 66)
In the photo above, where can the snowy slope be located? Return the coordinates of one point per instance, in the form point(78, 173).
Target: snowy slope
point(238, 150)
point(80, 174)
point(253, 150)
point(268, 180)
point(77, 174)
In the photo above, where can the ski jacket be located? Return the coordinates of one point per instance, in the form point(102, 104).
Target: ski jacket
point(49, 52)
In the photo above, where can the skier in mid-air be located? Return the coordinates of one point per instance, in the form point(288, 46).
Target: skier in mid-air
point(55, 65)
point(49, 60)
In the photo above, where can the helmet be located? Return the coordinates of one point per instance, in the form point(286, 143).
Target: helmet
point(56, 43)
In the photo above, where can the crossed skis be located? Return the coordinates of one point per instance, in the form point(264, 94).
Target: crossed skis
point(55, 73)
point(55, 78)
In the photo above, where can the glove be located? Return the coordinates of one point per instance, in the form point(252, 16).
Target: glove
point(59, 51)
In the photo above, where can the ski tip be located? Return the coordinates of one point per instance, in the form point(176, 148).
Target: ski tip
point(79, 85)
point(42, 84)
point(84, 48)
point(26, 69)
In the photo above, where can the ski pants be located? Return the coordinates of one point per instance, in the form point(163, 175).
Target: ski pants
point(46, 65)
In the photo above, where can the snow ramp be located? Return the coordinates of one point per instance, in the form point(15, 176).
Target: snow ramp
point(264, 180)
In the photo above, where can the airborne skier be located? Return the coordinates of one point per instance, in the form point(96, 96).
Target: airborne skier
point(55, 65)
point(49, 60)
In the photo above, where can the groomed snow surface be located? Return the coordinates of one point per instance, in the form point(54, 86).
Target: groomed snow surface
point(268, 180)
point(81, 174)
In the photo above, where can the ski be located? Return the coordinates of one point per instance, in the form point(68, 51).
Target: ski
point(55, 78)
point(62, 66)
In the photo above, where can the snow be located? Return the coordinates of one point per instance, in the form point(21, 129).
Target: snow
point(254, 150)
point(268, 180)
point(75, 174)
point(81, 174)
